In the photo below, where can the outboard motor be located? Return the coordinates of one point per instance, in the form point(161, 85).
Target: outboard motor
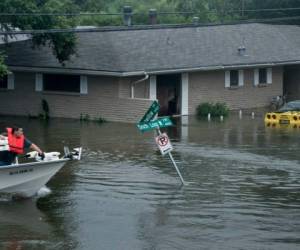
point(75, 154)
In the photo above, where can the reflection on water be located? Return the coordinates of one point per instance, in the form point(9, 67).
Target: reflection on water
point(243, 192)
point(22, 225)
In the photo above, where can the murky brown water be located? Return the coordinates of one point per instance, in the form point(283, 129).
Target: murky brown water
point(243, 192)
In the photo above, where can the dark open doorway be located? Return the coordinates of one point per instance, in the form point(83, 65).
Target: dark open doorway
point(168, 94)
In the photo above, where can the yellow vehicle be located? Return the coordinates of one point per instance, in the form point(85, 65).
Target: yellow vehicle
point(289, 114)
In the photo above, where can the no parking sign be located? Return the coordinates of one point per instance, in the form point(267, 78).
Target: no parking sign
point(162, 140)
point(163, 143)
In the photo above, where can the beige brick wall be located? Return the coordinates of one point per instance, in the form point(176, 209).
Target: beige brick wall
point(109, 97)
point(102, 100)
point(141, 89)
point(210, 87)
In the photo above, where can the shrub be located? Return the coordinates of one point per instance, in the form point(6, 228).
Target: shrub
point(84, 118)
point(216, 109)
point(204, 109)
point(45, 110)
point(100, 120)
point(220, 109)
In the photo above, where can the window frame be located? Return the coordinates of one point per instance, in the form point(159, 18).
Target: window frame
point(82, 89)
point(268, 76)
point(262, 76)
point(61, 83)
point(4, 82)
point(228, 78)
point(10, 82)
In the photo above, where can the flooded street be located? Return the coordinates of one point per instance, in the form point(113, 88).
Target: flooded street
point(243, 188)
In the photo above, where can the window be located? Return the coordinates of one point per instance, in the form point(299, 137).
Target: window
point(262, 76)
point(3, 82)
point(61, 83)
point(7, 81)
point(234, 78)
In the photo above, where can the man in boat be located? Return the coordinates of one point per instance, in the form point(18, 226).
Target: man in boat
point(17, 143)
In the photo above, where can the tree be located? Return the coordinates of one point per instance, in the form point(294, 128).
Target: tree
point(62, 44)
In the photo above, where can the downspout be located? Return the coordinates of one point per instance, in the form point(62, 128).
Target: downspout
point(136, 82)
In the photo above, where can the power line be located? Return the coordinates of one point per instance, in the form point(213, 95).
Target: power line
point(264, 10)
point(61, 14)
point(116, 28)
point(134, 13)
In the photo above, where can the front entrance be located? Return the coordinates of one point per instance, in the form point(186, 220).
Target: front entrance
point(291, 82)
point(168, 94)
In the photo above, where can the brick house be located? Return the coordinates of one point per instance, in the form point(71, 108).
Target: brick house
point(118, 72)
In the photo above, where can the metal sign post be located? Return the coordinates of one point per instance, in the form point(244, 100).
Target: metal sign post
point(172, 159)
point(162, 140)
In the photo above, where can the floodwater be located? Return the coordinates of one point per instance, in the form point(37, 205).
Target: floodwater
point(243, 188)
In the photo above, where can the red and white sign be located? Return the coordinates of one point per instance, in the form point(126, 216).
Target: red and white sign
point(163, 143)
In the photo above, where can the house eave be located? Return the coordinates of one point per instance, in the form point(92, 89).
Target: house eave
point(150, 72)
point(75, 71)
point(223, 67)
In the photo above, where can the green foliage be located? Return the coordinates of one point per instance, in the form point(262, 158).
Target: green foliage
point(204, 109)
point(63, 45)
point(84, 117)
point(45, 110)
point(100, 120)
point(214, 109)
point(3, 68)
point(206, 10)
point(220, 109)
point(87, 118)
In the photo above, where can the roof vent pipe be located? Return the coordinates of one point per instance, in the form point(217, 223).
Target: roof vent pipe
point(127, 15)
point(195, 20)
point(152, 16)
point(242, 50)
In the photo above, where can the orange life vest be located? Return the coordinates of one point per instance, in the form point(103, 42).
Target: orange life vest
point(16, 144)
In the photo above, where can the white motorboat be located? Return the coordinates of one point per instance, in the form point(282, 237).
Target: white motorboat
point(26, 179)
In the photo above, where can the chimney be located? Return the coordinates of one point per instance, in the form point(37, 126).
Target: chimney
point(127, 15)
point(195, 20)
point(242, 50)
point(152, 16)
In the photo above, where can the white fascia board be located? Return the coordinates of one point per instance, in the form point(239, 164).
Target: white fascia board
point(222, 67)
point(156, 72)
point(74, 71)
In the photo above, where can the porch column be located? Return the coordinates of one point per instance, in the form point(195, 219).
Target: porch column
point(152, 91)
point(184, 94)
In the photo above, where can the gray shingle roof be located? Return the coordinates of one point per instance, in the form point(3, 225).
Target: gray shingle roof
point(171, 48)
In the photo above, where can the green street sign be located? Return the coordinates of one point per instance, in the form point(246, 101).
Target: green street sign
point(151, 112)
point(159, 123)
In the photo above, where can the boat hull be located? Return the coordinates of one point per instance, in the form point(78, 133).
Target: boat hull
point(26, 179)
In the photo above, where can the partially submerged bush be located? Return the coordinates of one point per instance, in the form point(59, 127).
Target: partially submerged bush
point(87, 118)
point(220, 109)
point(100, 120)
point(214, 109)
point(44, 115)
point(84, 117)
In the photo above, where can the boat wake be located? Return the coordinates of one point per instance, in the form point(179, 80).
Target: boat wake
point(44, 191)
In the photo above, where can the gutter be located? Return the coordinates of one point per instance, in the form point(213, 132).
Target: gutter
point(223, 67)
point(75, 71)
point(136, 82)
point(150, 72)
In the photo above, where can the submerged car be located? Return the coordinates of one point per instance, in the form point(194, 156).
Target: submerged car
point(287, 114)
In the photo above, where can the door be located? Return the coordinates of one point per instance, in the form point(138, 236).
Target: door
point(168, 94)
